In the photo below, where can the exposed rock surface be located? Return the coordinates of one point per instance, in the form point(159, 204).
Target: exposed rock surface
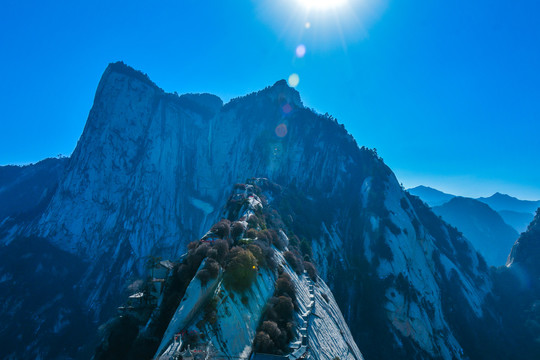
point(151, 171)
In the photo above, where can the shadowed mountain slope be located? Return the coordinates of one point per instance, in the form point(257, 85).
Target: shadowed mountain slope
point(484, 227)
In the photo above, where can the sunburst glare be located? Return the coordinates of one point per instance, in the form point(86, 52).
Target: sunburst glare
point(322, 24)
point(322, 4)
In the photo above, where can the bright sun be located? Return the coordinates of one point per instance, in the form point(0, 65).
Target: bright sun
point(322, 4)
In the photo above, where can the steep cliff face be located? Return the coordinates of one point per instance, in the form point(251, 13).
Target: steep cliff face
point(407, 273)
point(151, 171)
point(150, 167)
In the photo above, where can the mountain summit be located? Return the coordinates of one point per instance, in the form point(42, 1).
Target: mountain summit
point(431, 196)
point(502, 202)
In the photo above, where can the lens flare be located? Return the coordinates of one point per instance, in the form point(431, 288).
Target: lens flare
point(307, 25)
point(281, 130)
point(294, 79)
point(287, 108)
point(300, 51)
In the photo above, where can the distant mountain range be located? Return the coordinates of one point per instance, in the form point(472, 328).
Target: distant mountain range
point(483, 226)
point(431, 196)
point(501, 202)
point(491, 223)
point(515, 212)
point(518, 220)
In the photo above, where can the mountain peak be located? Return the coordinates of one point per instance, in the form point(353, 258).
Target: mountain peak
point(431, 196)
point(281, 83)
point(499, 202)
point(286, 93)
point(501, 196)
point(120, 67)
point(119, 70)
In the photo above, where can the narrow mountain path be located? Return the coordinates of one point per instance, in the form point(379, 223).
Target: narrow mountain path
point(301, 351)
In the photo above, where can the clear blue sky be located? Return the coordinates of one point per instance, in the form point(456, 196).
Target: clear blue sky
point(448, 92)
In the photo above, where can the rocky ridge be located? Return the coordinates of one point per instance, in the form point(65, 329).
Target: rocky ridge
point(215, 316)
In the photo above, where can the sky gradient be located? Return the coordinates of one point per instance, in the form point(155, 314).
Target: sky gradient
point(448, 93)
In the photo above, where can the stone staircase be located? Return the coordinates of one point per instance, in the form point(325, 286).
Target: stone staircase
point(299, 348)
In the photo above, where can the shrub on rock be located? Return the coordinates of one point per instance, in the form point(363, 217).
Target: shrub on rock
point(295, 263)
point(241, 269)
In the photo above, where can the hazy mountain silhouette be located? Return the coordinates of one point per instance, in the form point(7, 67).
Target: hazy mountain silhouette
point(499, 202)
point(431, 196)
point(515, 212)
point(518, 220)
point(483, 226)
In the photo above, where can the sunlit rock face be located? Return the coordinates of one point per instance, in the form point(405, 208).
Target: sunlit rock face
point(152, 169)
